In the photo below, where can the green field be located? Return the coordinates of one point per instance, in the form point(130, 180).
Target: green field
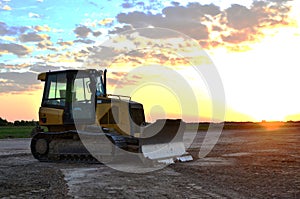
point(15, 132)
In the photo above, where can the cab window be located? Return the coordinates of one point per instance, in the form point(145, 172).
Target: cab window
point(81, 92)
point(55, 93)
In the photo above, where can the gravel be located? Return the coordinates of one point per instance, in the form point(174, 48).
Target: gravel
point(243, 164)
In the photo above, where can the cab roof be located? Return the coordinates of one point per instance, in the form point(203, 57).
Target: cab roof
point(42, 76)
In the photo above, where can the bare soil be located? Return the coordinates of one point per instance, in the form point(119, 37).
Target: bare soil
point(257, 163)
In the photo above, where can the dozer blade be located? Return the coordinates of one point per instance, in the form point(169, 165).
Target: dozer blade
point(163, 141)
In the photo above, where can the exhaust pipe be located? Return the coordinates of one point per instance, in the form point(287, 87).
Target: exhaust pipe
point(104, 82)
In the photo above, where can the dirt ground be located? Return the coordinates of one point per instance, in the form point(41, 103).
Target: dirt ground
point(243, 164)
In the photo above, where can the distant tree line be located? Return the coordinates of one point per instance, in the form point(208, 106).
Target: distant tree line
point(4, 122)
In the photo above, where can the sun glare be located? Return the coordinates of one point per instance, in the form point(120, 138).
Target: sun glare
point(271, 126)
point(158, 101)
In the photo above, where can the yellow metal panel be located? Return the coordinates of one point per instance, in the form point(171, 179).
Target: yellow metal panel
point(50, 116)
point(122, 125)
point(42, 76)
point(101, 110)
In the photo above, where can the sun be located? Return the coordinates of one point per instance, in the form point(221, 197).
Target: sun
point(271, 126)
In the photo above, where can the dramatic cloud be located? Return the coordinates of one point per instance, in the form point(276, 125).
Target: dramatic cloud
point(33, 37)
point(127, 5)
point(82, 31)
point(261, 14)
point(238, 37)
point(118, 30)
point(234, 25)
point(121, 79)
point(96, 33)
point(46, 44)
point(13, 48)
point(244, 24)
point(190, 27)
point(16, 82)
point(11, 30)
point(102, 53)
point(240, 17)
point(13, 82)
point(193, 11)
point(41, 67)
point(188, 20)
point(85, 41)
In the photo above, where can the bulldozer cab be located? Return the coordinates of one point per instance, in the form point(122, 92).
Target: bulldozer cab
point(73, 97)
point(71, 94)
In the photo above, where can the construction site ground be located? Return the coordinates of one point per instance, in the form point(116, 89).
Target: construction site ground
point(253, 163)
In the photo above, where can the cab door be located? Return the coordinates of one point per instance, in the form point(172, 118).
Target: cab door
point(54, 100)
point(83, 100)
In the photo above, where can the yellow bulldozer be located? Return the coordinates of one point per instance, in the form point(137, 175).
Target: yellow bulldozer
point(78, 112)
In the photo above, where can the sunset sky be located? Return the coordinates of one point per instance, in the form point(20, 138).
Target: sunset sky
point(254, 46)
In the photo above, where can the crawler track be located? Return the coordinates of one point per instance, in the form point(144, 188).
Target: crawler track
point(67, 147)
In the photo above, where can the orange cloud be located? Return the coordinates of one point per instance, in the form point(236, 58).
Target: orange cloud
point(44, 28)
point(65, 43)
point(106, 21)
point(6, 7)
